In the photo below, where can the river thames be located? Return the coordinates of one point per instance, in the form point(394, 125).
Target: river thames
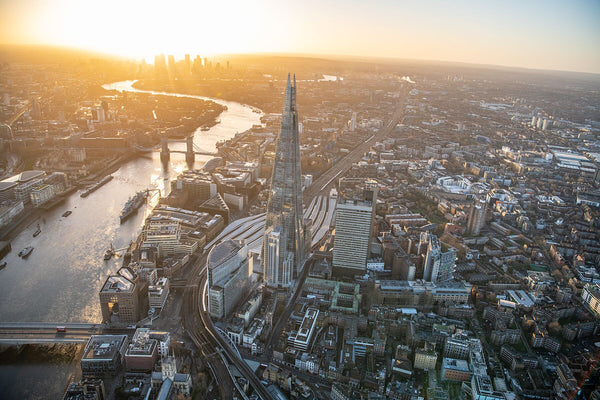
point(59, 282)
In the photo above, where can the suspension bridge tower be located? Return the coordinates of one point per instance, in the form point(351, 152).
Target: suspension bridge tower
point(190, 156)
point(165, 153)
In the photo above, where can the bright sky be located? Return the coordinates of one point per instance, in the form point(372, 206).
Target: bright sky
point(546, 34)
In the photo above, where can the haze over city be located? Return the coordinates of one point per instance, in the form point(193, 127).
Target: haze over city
point(558, 35)
point(300, 200)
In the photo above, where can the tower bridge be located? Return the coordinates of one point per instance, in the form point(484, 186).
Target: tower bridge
point(190, 152)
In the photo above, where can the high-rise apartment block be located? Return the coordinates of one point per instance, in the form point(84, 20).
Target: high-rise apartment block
point(284, 250)
point(476, 219)
point(439, 264)
point(591, 297)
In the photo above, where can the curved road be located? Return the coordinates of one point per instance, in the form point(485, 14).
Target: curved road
point(197, 333)
point(219, 341)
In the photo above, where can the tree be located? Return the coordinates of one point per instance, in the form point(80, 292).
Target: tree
point(554, 328)
point(558, 276)
point(528, 325)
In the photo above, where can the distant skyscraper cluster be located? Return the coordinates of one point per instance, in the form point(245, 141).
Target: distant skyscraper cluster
point(284, 247)
point(542, 122)
point(167, 66)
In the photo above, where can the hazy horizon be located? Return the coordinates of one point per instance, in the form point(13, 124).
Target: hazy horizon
point(545, 35)
point(309, 56)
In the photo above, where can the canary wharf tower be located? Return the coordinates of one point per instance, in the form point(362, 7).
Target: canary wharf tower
point(283, 243)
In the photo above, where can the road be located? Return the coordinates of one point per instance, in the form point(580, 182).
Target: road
point(324, 182)
point(32, 333)
point(19, 113)
point(285, 315)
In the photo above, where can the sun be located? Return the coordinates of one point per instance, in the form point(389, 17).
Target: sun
point(138, 28)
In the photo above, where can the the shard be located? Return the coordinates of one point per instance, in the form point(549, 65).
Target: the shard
point(283, 244)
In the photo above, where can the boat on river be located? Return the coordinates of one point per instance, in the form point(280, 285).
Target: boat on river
point(133, 204)
point(96, 186)
point(109, 253)
point(67, 213)
point(2, 265)
point(25, 252)
point(212, 164)
point(37, 231)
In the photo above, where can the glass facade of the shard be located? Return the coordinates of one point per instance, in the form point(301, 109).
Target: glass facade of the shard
point(284, 224)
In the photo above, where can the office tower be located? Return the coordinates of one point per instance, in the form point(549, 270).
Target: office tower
point(439, 265)
point(160, 64)
point(120, 297)
point(283, 260)
point(171, 64)
point(431, 265)
point(545, 124)
point(197, 65)
point(229, 276)
point(187, 65)
point(353, 225)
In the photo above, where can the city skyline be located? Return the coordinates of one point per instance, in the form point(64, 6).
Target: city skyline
point(541, 35)
point(483, 202)
point(377, 225)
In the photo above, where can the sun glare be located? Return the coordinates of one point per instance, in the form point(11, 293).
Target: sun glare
point(465, 31)
point(145, 28)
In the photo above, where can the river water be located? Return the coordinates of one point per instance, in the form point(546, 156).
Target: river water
point(59, 282)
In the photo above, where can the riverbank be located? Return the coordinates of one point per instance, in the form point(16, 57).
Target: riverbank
point(260, 96)
point(29, 216)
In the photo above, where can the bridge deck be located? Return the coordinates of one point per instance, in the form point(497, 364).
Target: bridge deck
point(46, 325)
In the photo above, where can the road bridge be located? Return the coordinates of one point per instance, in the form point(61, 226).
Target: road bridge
point(18, 333)
point(4, 326)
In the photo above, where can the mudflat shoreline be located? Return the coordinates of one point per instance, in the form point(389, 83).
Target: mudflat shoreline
point(39, 371)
